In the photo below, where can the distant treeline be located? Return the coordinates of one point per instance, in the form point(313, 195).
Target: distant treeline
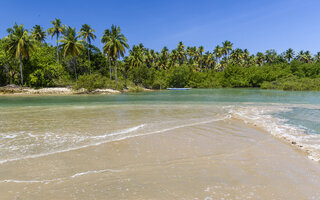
point(26, 59)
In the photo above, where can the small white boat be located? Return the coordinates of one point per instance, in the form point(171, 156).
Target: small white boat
point(179, 88)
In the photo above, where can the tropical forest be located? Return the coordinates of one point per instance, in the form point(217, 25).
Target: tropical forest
point(65, 57)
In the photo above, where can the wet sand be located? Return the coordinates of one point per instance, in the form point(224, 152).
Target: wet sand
point(219, 160)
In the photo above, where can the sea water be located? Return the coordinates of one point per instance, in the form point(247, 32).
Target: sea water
point(32, 126)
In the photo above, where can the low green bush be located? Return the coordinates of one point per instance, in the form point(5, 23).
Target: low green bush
point(293, 84)
point(93, 81)
point(136, 89)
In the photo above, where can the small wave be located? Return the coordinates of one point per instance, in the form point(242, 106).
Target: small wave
point(262, 116)
point(121, 135)
point(61, 179)
point(28, 181)
point(120, 132)
point(125, 131)
point(95, 172)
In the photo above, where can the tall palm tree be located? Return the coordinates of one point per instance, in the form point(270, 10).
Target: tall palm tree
point(226, 48)
point(304, 56)
point(192, 54)
point(71, 45)
point(19, 45)
point(317, 57)
point(87, 34)
point(308, 56)
point(200, 50)
point(163, 58)
point(115, 46)
point(38, 33)
point(260, 58)
point(217, 52)
point(181, 52)
point(270, 55)
point(56, 30)
point(237, 56)
point(136, 57)
point(104, 39)
point(289, 54)
point(174, 56)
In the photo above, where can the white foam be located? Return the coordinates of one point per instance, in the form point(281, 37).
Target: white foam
point(125, 131)
point(261, 116)
point(28, 181)
point(60, 179)
point(95, 172)
point(120, 132)
point(111, 137)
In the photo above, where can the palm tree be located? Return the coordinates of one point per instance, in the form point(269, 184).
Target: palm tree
point(270, 55)
point(181, 52)
point(38, 34)
point(71, 46)
point(199, 56)
point(308, 56)
point(87, 33)
point(217, 52)
point(163, 58)
point(174, 56)
point(317, 57)
point(226, 48)
point(237, 56)
point(260, 58)
point(304, 56)
point(115, 46)
point(56, 30)
point(192, 54)
point(208, 60)
point(104, 39)
point(136, 57)
point(289, 54)
point(19, 45)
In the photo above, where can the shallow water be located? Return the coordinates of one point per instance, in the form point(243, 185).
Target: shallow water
point(37, 133)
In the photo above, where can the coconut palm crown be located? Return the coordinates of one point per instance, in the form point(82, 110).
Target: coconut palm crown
point(19, 44)
point(57, 29)
point(38, 33)
point(115, 44)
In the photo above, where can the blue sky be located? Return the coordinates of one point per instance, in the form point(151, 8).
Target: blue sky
point(257, 25)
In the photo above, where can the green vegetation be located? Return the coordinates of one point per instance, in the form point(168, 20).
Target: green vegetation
point(26, 59)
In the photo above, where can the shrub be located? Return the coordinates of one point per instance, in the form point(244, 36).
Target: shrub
point(136, 89)
point(92, 82)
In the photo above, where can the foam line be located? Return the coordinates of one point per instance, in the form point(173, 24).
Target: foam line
point(116, 139)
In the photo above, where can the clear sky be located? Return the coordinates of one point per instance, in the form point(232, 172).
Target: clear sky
point(257, 25)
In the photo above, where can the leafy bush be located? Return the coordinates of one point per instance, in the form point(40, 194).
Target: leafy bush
point(293, 84)
point(92, 82)
point(178, 77)
point(48, 76)
point(136, 89)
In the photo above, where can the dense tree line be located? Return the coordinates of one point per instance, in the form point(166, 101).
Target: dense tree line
point(26, 59)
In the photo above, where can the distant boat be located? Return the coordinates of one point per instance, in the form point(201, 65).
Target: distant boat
point(179, 88)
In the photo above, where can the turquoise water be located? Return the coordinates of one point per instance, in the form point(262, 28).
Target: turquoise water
point(202, 96)
point(308, 119)
point(38, 125)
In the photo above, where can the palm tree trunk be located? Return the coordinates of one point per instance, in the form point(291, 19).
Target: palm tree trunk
point(75, 68)
point(110, 71)
point(21, 74)
point(57, 48)
point(89, 58)
point(115, 68)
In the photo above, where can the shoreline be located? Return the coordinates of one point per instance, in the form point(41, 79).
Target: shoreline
point(66, 91)
point(59, 91)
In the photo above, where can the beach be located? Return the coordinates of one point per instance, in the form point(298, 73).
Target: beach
point(199, 144)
